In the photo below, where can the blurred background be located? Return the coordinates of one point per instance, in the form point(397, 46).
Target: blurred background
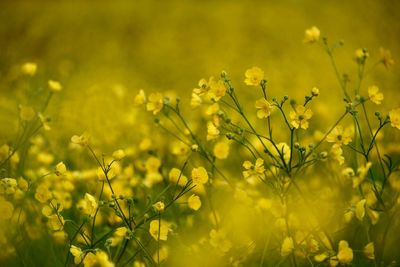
point(103, 52)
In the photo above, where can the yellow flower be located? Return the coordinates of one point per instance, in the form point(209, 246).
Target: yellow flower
point(321, 257)
point(300, 116)
point(81, 140)
point(264, 108)
point(204, 87)
point(394, 116)
point(140, 98)
point(394, 181)
point(118, 236)
point(43, 194)
point(348, 216)
point(287, 246)
point(374, 94)
point(88, 205)
point(219, 240)
point(176, 176)
point(386, 57)
point(212, 131)
point(77, 253)
point(217, 90)
point(26, 113)
point(29, 68)
point(311, 35)
point(221, 150)
point(23, 184)
point(45, 121)
point(345, 253)
point(8, 186)
point(340, 136)
point(118, 154)
point(160, 255)
point(369, 251)
point(155, 103)
point(100, 258)
point(195, 101)
point(199, 176)
point(373, 215)
point(152, 164)
point(159, 206)
point(60, 169)
point(360, 209)
point(361, 174)
point(360, 55)
point(54, 86)
point(337, 153)
point(253, 170)
point(6, 209)
point(254, 76)
point(139, 264)
point(194, 202)
point(315, 91)
point(159, 231)
point(56, 222)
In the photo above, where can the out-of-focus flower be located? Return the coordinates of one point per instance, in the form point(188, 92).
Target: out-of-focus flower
point(88, 205)
point(160, 255)
point(118, 154)
point(176, 176)
point(8, 186)
point(6, 209)
point(361, 55)
point(386, 57)
point(159, 206)
point(81, 140)
point(311, 35)
point(340, 136)
point(221, 150)
point(29, 68)
point(217, 90)
point(337, 153)
point(26, 113)
point(369, 251)
point(254, 76)
point(394, 116)
point(345, 253)
point(54, 86)
point(264, 108)
point(315, 91)
point(199, 176)
point(212, 131)
point(55, 222)
point(361, 174)
point(140, 98)
point(45, 121)
point(375, 95)
point(253, 170)
point(321, 257)
point(194, 202)
point(287, 246)
point(61, 169)
point(159, 229)
point(155, 103)
point(118, 236)
point(219, 240)
point(360, 209)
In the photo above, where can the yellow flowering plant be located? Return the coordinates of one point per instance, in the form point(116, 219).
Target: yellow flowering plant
point(215, 182)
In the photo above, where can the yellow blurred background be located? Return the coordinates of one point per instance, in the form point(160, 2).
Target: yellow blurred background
point(103, 52)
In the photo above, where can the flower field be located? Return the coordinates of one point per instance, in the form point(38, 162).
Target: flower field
point(213, 133)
